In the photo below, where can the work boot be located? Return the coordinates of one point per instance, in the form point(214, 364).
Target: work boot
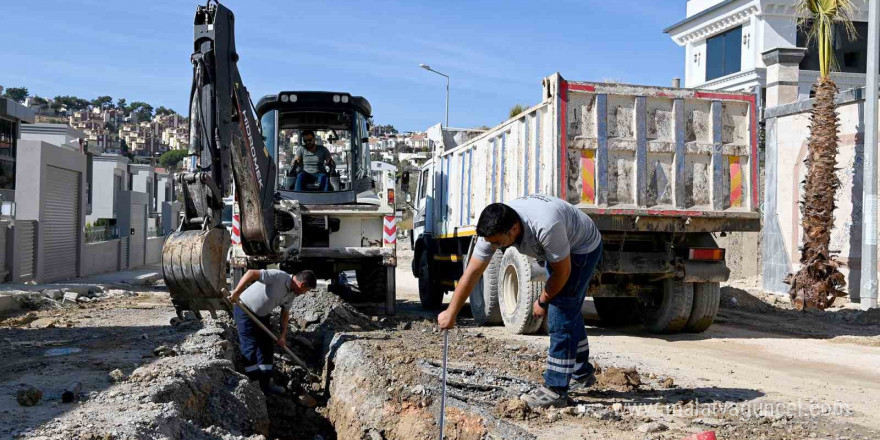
point(543, 397)
point(583, 383)
point(268, 387)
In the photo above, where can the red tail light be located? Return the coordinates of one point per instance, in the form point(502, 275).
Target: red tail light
point(390, 196)
point(712, 254)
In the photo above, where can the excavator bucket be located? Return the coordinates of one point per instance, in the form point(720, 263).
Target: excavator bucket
point(194, 267)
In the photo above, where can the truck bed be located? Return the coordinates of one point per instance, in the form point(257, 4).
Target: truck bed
point(633, 157)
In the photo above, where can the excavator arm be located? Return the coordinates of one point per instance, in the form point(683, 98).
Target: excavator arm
point(226, 147)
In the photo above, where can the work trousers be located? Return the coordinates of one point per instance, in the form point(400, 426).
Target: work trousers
point(256, 346)
point(305, 178)
point(569, 349)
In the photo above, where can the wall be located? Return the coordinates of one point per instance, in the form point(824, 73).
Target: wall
point(35, 157)
point(103, 197)
point(786, 140)
point(154, 249)
point(101, 257)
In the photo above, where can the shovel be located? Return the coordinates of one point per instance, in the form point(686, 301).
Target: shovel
point(253, 317)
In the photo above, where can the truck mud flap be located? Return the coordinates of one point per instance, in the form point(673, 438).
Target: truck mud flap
point(703, 272)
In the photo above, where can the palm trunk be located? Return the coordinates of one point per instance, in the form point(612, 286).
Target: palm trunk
point(818, 282)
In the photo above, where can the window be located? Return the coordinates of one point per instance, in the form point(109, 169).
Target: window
point(724, 54)
point(851, 56)
point(7, 154)
point(423, 183)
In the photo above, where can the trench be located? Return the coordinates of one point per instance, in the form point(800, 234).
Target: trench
point(373, 379)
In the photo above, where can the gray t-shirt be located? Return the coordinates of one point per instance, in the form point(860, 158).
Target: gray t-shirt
point(552, 229)
point(272, 290)
point(313, 162)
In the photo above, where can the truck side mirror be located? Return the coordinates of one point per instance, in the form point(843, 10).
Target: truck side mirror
point(404, 182)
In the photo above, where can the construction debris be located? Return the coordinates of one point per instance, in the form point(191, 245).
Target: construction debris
point(28, 396)
point(619, 379)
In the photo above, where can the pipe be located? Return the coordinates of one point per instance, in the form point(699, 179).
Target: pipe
point(868, 287)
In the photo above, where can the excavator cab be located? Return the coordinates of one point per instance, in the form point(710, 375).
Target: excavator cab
point(338, 122)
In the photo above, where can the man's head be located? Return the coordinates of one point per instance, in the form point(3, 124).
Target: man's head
point(307, 137)
point(499, 225)
point(303, 282)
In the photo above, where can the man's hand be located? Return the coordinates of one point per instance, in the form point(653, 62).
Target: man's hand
point(537, 310)
point(446, 320)
point(282, 340)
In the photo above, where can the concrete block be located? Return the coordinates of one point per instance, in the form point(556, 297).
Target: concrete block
point(70, 297)
point(147, 279)
point(81, 291)
point(53, 294)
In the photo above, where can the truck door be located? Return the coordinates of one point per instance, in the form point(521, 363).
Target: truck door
point(423, 218)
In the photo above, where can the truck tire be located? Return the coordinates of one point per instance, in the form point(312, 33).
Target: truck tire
point(372, 281)
point(430, 295)
point(707, 296)
point(615, 312)
point(671, 312)
point(484, 297)
point(517, 293)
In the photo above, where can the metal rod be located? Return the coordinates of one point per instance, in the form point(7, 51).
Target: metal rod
point(447, 102)
point(868, 287)
point(256, 320)
point(443, 395)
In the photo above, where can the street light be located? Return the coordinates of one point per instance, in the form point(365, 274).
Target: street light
point(427, 67)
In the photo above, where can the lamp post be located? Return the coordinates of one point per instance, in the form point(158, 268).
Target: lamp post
point(868, 285)
point(427, 67)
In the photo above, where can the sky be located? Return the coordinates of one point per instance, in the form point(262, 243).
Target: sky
point(496, 52)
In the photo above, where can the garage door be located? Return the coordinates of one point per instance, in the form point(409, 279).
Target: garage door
point(60, 225)
point(137, 240)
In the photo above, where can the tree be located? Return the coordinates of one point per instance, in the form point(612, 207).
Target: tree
point(144, 111)
point(164, 111)
point(171, 159)
point(121, 104)
point(515, 110)
point(18, 94)
point(819, 281)
point(102, 101)
point(72, 102)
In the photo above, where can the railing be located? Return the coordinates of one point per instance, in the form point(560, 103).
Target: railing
point(97, 234)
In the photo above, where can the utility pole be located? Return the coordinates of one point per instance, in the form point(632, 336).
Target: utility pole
point(868, 287)
point(428, 68)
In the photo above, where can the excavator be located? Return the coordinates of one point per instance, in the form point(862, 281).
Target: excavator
point(238, 148)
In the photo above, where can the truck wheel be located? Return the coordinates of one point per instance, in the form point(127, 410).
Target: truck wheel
point(706, 299)
point(669, 312)
point(430, 295)
point(615, 312)
point(391, 291)
point(372, 281)
point(484, 297)
point(517, 293)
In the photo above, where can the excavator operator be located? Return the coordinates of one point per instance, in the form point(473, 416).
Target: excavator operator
point(314, 160)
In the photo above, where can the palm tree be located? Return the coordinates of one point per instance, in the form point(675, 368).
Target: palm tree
point(819, 282)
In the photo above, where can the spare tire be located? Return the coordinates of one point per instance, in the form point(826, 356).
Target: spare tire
point(517, 293)
point(707, 296)
point(484, 297)
point(670, 310)
point(372, 279)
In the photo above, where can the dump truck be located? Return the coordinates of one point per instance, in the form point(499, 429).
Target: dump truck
point(658, 170)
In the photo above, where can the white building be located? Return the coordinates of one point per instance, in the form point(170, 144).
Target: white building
point(727, 43)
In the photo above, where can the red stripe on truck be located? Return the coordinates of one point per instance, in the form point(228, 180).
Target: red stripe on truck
point(563, 133)
point(581, 87)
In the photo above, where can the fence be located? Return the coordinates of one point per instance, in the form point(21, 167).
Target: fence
point(96, 234)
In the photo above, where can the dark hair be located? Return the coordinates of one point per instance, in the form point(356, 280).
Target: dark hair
point(305, 132)
point(308, 278)
point(496, 218)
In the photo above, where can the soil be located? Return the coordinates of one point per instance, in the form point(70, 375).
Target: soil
point(762, 371)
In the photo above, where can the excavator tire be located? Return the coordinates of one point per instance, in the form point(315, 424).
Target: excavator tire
point(194, 268)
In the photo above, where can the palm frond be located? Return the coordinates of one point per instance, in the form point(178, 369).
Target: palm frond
point(818, 19)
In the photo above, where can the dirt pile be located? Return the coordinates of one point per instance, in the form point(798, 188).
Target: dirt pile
point(618, 379)
point(190, 395)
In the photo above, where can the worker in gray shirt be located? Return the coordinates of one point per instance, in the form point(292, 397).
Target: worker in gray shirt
point(314, 159)
point(550, 230)
point(269, 288)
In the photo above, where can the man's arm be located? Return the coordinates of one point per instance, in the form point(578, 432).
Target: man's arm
point(469, 279)
point(249, 277)
point(558, 278)
point(285, 319)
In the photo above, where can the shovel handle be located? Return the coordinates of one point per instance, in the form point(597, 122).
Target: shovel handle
point(254, 318)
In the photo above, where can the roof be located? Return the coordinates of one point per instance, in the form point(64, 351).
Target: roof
point(699, 15)
point(12, 109)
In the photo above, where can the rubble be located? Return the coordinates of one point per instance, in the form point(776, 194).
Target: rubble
point(652, 427)
point(28, 396)
point(117, 376)
point(619, 379)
